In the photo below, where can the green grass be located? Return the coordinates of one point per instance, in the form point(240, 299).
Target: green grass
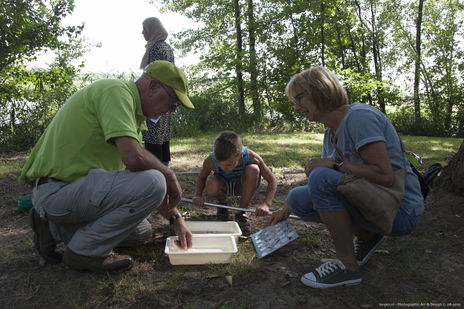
point(293, 150)
point(278, 150)
point(10, 163)
point(412, 263)
point(432, 149)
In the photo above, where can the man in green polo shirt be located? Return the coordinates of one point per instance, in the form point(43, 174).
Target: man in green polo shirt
point(93, 183)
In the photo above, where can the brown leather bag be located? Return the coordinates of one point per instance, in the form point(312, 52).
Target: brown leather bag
point(377, 203)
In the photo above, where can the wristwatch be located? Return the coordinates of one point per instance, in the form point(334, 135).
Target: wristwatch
point(337, 163)
point(175, 217)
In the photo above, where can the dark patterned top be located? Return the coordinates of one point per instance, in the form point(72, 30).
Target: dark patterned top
point(159, 132)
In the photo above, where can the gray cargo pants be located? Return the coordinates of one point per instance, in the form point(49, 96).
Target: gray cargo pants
point(101, 211)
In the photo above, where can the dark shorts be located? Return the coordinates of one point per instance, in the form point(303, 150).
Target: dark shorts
point(234, 188)
point(162, 152)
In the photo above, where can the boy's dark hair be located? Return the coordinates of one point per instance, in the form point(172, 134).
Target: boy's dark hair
point(227, 145)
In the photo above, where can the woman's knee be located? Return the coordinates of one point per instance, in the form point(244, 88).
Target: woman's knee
point(316, 177)
point(300, 203)
point(297, 198)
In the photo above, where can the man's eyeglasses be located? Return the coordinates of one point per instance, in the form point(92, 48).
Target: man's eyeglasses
point(175, 104)
point(296, 99)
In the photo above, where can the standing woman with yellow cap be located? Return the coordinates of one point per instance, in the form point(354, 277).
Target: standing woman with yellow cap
point(158, 135)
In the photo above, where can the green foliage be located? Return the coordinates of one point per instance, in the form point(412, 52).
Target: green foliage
point(370, 44)
point(29, 26)
point(427, 125)
point(30, 98)
point(212, 113)
point(29, 101)
point(252, 49)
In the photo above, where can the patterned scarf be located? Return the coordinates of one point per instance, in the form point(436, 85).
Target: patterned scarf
point(156, 32)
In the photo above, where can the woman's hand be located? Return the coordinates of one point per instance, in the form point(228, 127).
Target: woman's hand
point(317, 162)
point(280, 215)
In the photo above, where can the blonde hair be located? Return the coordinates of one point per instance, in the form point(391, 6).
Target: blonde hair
point(321, 86)
point(227, 145)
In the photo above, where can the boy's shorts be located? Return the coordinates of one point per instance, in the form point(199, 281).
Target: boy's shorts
point(234, 188)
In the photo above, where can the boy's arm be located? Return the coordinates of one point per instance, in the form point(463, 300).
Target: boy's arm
point(263, 209)
point(208, 166)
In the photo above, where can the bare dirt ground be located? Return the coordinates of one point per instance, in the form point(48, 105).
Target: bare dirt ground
point(421, 270)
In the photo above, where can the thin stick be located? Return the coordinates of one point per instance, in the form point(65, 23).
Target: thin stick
point(235, 208)
point(184, 173)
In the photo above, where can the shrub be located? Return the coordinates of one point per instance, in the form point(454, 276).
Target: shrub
point(210, 115)
point(405, 122)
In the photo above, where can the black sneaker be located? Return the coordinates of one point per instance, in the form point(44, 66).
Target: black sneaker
point(243, 222)
point(223, 214)
point(364, 249)
point(331, 274)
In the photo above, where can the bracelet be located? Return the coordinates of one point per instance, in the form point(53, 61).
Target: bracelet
point(175, 217)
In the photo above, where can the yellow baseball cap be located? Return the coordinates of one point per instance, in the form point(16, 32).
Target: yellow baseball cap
point(170, 75)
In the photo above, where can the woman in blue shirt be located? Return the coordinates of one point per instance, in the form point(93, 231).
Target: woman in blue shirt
point(372, 150)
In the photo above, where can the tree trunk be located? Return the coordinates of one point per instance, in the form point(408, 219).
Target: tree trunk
point(253, 63)
point(377, 62)
point(418, 61)
point(452, 175)
point(322, 34)
point(340, 45)
point(238, 68)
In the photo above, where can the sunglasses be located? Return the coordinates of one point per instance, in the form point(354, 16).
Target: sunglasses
point(296, 99)
point(175, 104)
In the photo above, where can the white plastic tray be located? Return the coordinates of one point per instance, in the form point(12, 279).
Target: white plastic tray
point(215, 228)
point(214, 249)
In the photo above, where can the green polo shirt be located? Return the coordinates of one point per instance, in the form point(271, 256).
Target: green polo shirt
point(80, 136)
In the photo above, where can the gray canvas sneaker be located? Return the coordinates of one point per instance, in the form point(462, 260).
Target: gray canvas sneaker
point(363, 249)
point(331, 274)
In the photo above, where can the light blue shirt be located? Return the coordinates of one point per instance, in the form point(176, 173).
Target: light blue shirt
point(364, 124)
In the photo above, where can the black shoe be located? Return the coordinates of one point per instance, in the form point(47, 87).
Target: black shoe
point(363, 249)
point(112, 263)
point(43, 239)
point(243, 222)
point(223, 213)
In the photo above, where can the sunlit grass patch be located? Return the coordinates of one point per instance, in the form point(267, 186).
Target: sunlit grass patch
point(12, 163)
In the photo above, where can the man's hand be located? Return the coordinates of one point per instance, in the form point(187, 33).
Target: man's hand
point(174, 193)
point(183, 234)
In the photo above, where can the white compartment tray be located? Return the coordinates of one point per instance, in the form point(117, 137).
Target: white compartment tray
point(214, 249)
point(216, 228)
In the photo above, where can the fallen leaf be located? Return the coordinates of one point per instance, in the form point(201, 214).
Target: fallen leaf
point(285, 284)
point(291, 274)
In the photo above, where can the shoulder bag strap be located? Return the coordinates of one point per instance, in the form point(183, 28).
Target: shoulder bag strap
point(340, 154)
